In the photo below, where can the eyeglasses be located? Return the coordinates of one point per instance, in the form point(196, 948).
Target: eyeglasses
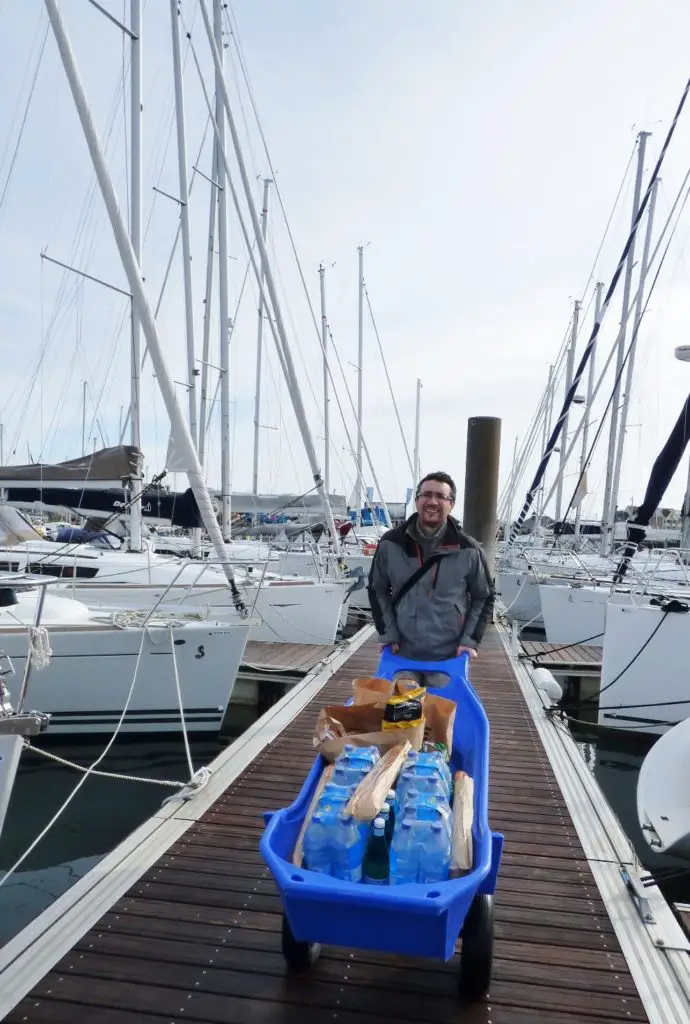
point(433, 496)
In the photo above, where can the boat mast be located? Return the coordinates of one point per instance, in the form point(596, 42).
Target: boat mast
point(569, 370)
point(637, 319)
point(609, 497)
point(259, 347)
point(135, 514)
point(276, 322)
point(360, 392)
point(415, 457)
point(208, 298)
point(178, 423)
point(183, 186)
point(224, 324)
point(598, 292)
point(324, 350)
point(548, 407)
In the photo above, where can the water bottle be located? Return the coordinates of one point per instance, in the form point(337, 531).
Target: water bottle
point(347, 847)
point(434, 854)
point(316, 846)
point(367, 755)
point(376, 864)
point(403, 855)
point(350, 771)
point(363, 756)
point(390, 821)
point(430, 807)
point(426, 777)
point(432, 758)
point(334, 798)
point(404, 782)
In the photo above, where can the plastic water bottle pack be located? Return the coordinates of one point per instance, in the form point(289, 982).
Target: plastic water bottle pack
point(410, 840)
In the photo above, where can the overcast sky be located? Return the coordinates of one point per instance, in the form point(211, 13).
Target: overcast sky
point(476, 150)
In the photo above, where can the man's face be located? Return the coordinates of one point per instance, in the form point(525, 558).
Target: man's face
point(434, 503)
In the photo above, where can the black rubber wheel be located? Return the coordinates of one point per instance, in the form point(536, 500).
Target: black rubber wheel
point(299, 956)
point(477, 950)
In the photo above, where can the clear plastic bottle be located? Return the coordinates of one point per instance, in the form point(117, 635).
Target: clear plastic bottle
point(403, 854)
point(405, 780)
point(347, 845)
point(334, 798)
point(434, 854)
point(433, 759)
point(376, 864)
point(317, 854)
point(430, 776)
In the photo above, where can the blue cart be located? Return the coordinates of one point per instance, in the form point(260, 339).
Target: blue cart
point(414, 919)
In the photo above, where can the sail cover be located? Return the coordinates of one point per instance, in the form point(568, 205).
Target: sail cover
point(179, 509)
point(663, 471)
point(108, 467)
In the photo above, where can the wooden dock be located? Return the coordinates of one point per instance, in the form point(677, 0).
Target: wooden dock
point(295, 659)
point(197, 938)
point(570, 659)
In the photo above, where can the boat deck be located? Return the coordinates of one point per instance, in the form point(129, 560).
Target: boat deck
point(197, 937)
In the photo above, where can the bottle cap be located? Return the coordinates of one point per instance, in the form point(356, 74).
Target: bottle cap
point(379, 824)
point(385, 809)
point(412, 793)
point(391, 796)
point(436, 827)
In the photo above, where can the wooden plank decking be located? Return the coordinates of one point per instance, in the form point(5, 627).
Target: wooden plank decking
point(197, 939)
point(281, 657)
point(585, 658)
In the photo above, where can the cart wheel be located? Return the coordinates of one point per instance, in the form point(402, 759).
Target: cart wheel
point(476, 953)
point(299, 956)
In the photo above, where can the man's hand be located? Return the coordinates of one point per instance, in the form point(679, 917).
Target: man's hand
point(394, 648)
point(466, 650)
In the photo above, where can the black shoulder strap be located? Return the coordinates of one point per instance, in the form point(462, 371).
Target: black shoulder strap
point(416, 575)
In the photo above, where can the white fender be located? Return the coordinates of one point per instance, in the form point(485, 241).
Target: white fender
point(545, 681)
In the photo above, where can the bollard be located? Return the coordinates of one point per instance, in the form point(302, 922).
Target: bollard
point(481, 482)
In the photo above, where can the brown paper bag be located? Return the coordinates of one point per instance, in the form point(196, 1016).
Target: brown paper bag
point(362, 726)
point(370, 796)
point(371, 690)
point(463, 814)
point(439, 713)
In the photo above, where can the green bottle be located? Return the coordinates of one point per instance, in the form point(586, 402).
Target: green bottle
point(376, 865)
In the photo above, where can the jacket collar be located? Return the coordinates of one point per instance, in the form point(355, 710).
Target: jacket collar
point(452, 535)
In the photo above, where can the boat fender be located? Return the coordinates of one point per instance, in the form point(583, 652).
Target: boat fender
point(547, 683)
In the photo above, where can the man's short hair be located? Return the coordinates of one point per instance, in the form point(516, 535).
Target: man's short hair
point(441, 478)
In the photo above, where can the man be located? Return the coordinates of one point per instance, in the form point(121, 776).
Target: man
point(430, 587)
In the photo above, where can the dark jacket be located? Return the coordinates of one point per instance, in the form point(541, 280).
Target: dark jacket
point(448, 606)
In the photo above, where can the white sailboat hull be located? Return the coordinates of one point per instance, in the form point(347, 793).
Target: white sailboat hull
point(663, 799)
point(300, 612)
point(304, 564)
point(86, 683)
point(653, 691)
point(292, 610)
point(574, 615)
point(519, 593)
